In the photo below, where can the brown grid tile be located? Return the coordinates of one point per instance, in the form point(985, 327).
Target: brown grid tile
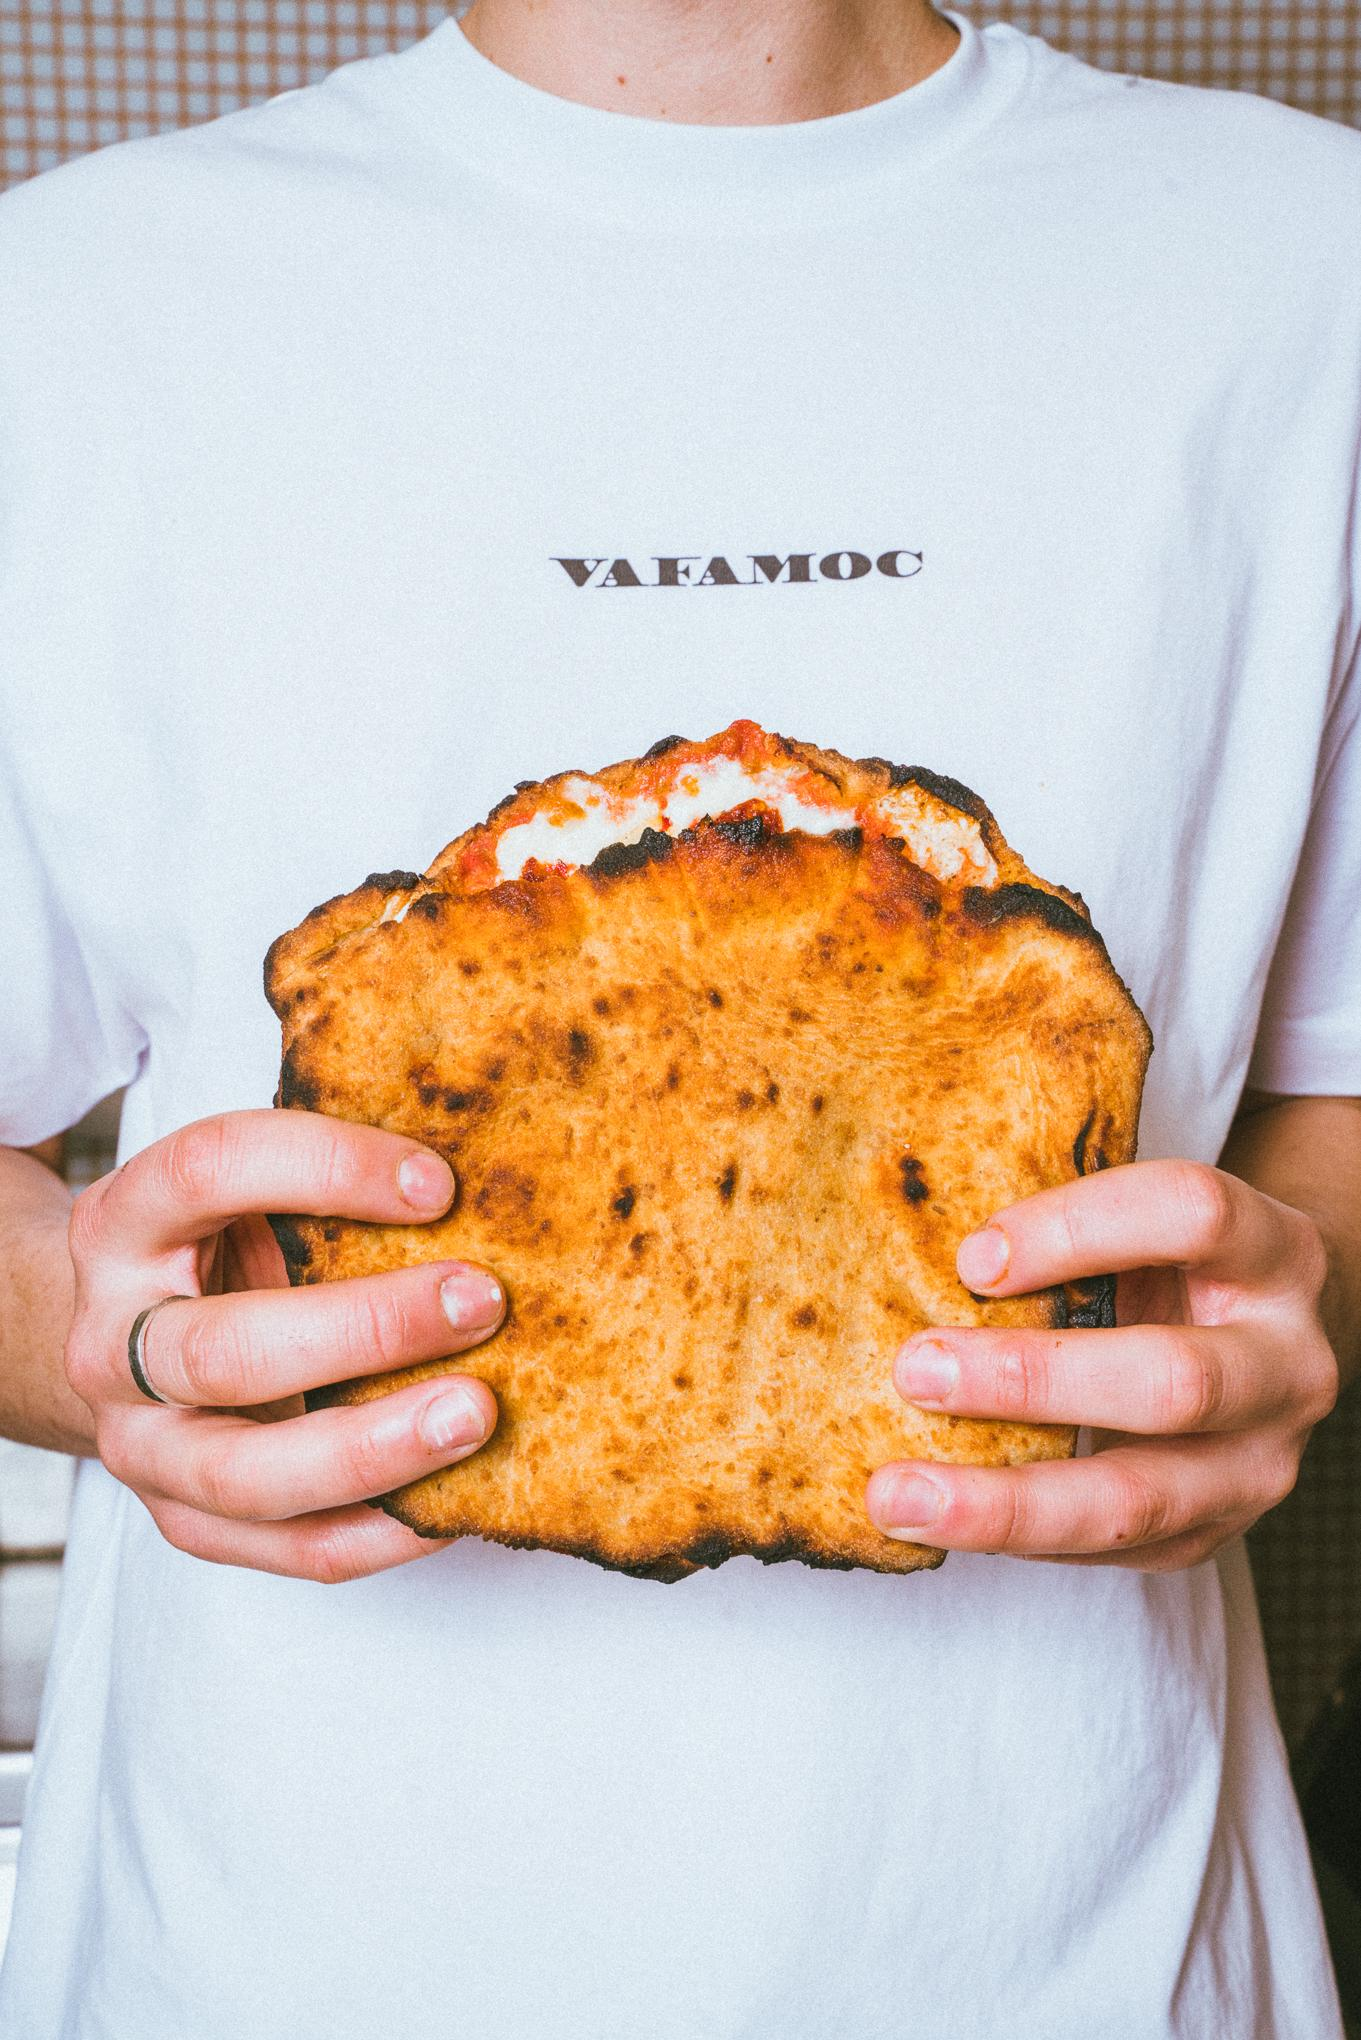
point(76, 74)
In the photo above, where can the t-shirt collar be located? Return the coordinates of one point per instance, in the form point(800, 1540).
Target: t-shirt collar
point(515, 132)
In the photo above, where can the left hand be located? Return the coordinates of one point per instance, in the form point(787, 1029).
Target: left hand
point(1203, 1396)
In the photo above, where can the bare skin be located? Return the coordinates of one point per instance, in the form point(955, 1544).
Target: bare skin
point(715, 62)
point(1239, 1306)
point(1240, 1292)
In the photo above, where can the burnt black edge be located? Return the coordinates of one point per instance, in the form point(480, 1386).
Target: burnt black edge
point(989, 905)
point(297, 1091)
point(748, 831)
point(331, 1397)
point(953, 792)
point(1086, 1306)
point(663, 745)
point(292, 1245)
point(392, 881)
point(706, 1554)
point(651, 848)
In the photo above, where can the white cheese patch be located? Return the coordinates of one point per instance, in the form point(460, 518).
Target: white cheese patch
point(939, 843)
point(398, 906)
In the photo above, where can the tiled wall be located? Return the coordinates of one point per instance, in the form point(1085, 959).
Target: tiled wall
point(75, 74)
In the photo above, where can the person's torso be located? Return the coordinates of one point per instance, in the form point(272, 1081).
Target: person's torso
point(416, 488)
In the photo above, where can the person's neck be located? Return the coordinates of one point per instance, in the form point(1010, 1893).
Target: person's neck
point(743, 63)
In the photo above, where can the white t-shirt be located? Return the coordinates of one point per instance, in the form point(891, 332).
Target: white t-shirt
point(306, 420)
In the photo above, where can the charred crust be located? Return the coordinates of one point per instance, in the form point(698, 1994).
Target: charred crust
point(747, 831)
point(952, 791)
point(663, 745)
point(428, 906)
point(704, 1553)
point(294, 1247)
point(331, 1397)
point(1080, 1144)
point(652, 846)
point(392, 881)
point(459, 1101)
point(297, 1090)
point(727, 1183)
point(1086, 1306)
point(623, 1204)
point(848, 839)
point(915, 1188)
point(989, 907)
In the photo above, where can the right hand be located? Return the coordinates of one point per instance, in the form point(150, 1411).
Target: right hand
point(186, 1216)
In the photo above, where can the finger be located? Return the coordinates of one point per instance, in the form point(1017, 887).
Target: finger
point(334, 1546)
point(194, 1181)
point(227, 1466)
point(251, 1256)
point(1168, 1554)
point(1147, 1214)
point(1128, 1496)
point(256, 1346)
point(1156, 1380)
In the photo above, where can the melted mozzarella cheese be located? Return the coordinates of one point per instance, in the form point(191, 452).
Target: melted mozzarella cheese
point(939, 843)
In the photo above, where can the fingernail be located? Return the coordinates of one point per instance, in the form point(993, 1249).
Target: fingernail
point(915, 1503)
point(425, 1181)
point(982, 1258)
point(472, 1299)
point(927, 1372)
point(452, 1419)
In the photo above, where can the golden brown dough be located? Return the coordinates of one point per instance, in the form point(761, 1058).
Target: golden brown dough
point(721, 1108)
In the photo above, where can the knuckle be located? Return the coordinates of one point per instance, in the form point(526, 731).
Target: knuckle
point(1022, 1379)
point(199, 1360)
point(340, 1168)
point(1189, 1393)
point(1206, 1204)
point(1071, 1210)
point(180, 1529)
point(1311, 1255)
point(219, 1357)
point(1011, 1517)
point(1136, 1510)
point(1324, 1387)
point(192, 1165)
point(114, 1455)
point(83, 1359)
point(367, 1462)
point(220, 1489)
point(85, 1227)
point(334, 1555)
point(377, 1324)
point(1279, 1474)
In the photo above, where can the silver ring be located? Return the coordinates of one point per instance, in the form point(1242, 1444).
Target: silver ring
point(137, 1351)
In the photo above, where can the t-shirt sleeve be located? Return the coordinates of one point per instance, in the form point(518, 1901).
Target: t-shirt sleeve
point(65, 1042)
point(1309, 1035)
point(67, 1037)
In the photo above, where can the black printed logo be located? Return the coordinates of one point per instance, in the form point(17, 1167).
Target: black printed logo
point(764, 569)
